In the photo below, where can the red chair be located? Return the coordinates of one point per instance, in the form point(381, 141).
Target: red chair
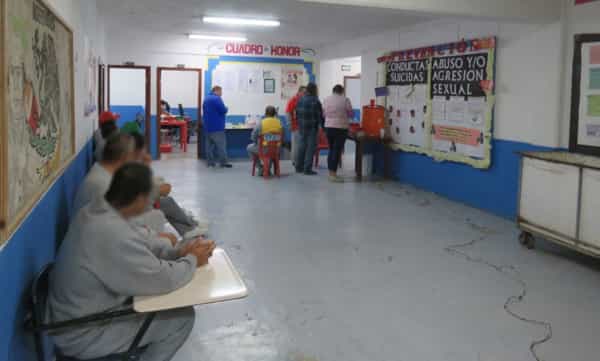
point(323, 144)
point(269, 147)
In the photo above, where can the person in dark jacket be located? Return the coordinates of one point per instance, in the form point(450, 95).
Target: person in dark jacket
point(214, 112)
point(309, 112)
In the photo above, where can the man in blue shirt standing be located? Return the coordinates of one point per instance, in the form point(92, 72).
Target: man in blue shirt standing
point(214, 111)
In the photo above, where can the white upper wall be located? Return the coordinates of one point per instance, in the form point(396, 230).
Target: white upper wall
point(127, 87)
point(331, 73)
point(180, 87)
point(156, 50)
point(510, 9)
point(82, 16)
point(529, 63)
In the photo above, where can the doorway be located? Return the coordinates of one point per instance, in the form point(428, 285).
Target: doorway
point(129, 95)
point(352, 87)
point(178, 99)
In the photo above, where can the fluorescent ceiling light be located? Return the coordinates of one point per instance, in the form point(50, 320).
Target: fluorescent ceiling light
point(217, 37)
point(239, 21)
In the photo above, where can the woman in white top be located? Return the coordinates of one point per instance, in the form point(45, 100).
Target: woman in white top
point(338, 111)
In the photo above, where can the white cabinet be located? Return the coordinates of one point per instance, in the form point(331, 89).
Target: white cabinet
point(560, 199)
point(590, 207)
point(549, 195)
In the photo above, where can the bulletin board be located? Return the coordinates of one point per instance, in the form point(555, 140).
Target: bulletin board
point(441, 100)
point(251, 84)
point(37, 126)
point(585, 102)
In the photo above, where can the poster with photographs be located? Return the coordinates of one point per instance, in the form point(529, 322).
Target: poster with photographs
point(291, 79)
point(407, 108)
point(441, 100)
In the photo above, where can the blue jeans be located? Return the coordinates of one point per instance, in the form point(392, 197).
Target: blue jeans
point(216, 148)
point(307, 143)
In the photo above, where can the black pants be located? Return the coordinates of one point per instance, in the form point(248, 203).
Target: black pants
point(336, 138)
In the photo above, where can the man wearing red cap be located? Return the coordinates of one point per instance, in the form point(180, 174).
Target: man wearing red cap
point(107, 125)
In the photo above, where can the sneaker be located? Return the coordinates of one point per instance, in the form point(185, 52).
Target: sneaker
point(227, 165)
point(310, 172)
point(336, 179)
point(210, 165)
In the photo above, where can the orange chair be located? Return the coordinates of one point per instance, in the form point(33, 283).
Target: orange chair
point(269, 147)
point(323, 144)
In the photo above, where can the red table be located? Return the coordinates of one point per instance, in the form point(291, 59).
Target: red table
point(171, 122)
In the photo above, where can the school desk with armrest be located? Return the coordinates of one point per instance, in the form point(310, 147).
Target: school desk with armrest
point(218, 281)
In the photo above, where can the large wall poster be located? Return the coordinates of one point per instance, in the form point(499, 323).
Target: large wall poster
point(38, 137)
point(441, 100)
point(585, 98)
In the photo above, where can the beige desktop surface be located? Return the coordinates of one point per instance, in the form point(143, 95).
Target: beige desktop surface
point(216, 282)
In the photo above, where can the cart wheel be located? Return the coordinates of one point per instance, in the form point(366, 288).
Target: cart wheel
point(527, 240)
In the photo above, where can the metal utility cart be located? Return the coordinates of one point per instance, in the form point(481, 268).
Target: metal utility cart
point(559, 200)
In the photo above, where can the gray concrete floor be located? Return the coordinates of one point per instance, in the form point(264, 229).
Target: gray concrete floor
point(361, 272)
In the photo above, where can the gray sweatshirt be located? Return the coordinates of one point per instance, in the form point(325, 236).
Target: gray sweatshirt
point(99, 143)
point(102, 262)
point(95, 185)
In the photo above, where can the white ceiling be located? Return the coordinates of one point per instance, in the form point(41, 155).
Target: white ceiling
point(306, 24)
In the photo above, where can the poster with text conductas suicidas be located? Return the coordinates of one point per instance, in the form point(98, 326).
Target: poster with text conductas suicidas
point(441, 100)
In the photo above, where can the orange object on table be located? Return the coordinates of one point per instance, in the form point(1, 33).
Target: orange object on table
point(166, 148)
point(373, 119)
point(183, 126)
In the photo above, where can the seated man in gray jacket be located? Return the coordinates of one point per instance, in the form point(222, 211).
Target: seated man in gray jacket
point(118, 150)
point(183, 221)
point(105, 260)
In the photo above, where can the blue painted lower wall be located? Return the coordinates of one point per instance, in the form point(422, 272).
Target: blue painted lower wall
point(128, 113)
point(33, 245)
point(493, 190)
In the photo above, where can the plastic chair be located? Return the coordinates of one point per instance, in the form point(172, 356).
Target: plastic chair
point(269, 147)
point(35, 323)
point(323, 144)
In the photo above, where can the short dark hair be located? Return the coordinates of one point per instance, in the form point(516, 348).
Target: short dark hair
point(129, 182)
point(302, 89)
point(117, 146)
point(140, 141)
point(166, 104)
point(311, 89)
point(215, 88)
point(108, 128)
point(338, 89)
point(270, 111)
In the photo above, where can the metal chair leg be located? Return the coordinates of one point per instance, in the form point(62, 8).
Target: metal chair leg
point(130, 354)
point(39, 347)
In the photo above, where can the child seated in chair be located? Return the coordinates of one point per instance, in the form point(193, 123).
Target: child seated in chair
point(269, 124)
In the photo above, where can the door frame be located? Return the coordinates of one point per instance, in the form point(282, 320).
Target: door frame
point(147, 89)
point(159, 71)
point(346, 77)
point(101, 87)
point(350, 77)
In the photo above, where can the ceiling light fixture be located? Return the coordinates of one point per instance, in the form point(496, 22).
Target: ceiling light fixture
point(217, 37)
point(240, 21)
